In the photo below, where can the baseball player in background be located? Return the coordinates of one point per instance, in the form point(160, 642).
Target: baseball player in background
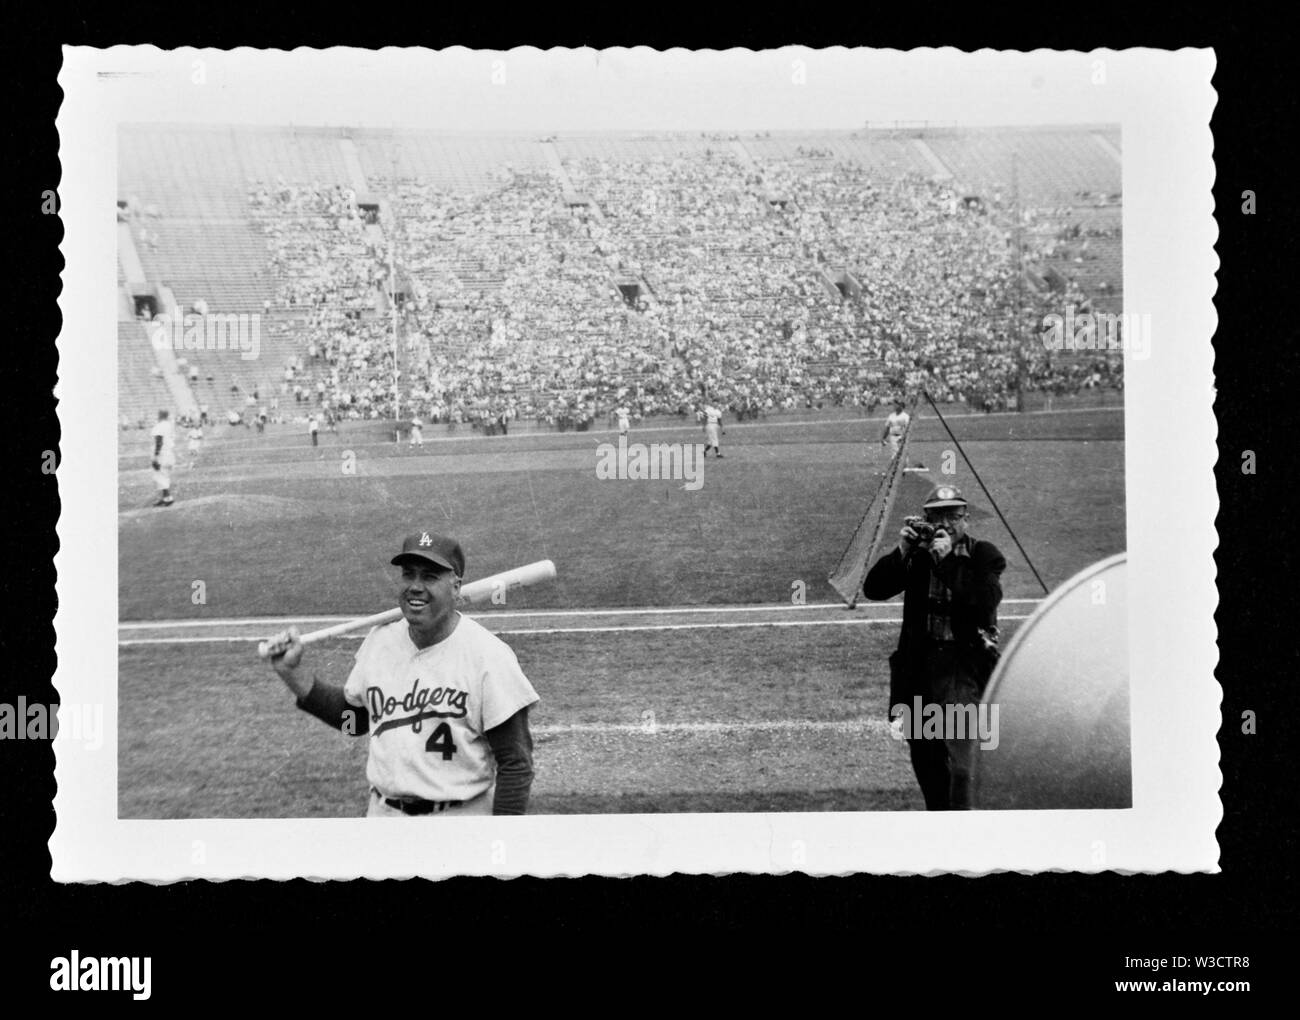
point(164, 457)
point(417, 437)
point(712, 430)
point(895, 426)
point(443, 699)
point(624, 418)
point(195, 444)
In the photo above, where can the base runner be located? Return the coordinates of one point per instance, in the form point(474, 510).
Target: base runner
point(444, 700)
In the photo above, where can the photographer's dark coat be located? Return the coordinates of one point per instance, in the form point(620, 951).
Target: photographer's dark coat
point(974, 581)
point(942, 656)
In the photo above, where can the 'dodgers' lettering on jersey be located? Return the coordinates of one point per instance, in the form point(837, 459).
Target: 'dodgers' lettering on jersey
point(422, 702)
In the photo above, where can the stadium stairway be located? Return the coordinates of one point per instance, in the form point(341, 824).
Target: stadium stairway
point(556, 166)
point(1108, 147)
point(742, 154)
point(129, 268)
point(165, 357)
point(356, 176)
point(147, 373)
point(928, 154)
point(141, 391)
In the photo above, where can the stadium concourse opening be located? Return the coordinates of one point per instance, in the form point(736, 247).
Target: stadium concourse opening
point(145, 301)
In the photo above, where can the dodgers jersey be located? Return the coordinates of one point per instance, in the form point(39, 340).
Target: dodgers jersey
point(430, 708)
point(897, 424)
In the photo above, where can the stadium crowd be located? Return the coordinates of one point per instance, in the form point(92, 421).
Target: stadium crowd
point(805, 283)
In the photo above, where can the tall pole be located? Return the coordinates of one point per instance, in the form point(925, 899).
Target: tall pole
point(1020, 284)
point(392, 289)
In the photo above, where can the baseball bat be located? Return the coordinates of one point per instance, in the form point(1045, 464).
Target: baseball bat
point(474, 592)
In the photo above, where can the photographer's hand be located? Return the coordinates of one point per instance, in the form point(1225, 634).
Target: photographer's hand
point(940, 545)
point(907, 540)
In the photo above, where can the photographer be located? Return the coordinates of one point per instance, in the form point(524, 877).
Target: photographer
point(948, 645)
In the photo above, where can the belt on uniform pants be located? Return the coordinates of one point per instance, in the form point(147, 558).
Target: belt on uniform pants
point(416, 805)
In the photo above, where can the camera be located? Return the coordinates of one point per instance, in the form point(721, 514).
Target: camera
point(925, 531)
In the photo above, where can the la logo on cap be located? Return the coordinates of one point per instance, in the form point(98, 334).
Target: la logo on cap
point(945, 493)
point(425, 539)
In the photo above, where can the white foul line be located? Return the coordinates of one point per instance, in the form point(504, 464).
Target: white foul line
point(325, 621)
point(715, 626)
point(778, 725)
point(560, 630)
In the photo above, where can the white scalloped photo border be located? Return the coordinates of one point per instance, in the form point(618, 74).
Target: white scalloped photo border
point(1162, 102)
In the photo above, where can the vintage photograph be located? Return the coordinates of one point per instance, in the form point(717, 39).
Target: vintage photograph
point(581, 435)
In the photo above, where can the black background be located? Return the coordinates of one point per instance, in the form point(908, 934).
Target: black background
point(986, 940)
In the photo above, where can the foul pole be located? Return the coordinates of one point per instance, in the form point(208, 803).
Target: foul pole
point(1020, 284)
point(392, 290)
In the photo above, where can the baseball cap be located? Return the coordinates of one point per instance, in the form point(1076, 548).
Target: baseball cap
point(944, 495)
point(437, 549)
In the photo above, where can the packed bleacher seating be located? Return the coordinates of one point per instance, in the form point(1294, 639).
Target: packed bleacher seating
point(767, 273)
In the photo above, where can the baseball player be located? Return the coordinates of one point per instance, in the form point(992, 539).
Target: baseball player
point(443, 699)
point(623, 416)
point(313, 427)
point(195, 437)
point(164, 457)
point(417, 437)
point(895, 426)
point(712, 430)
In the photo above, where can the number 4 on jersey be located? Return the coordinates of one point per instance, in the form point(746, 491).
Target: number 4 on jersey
point(440, 740)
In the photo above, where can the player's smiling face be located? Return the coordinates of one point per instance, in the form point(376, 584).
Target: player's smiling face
point(427, 594)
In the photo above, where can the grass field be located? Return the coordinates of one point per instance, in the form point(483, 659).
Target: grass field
point(721, 713)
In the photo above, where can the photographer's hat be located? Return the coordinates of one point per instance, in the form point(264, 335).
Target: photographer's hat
point(944, 496)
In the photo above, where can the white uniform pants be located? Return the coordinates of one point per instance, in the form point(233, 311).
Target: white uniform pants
point(162, 478)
